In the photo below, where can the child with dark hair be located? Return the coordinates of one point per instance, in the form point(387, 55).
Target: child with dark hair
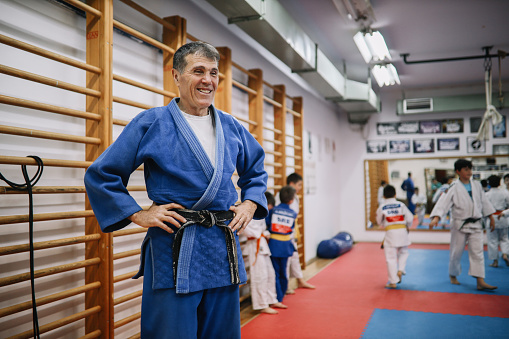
point(271, 201)
point(294, 269)
point(261, 272)
point(485, 185)
point(395, 218)
point(469, 205)
point(280, 223)
point(499, 198)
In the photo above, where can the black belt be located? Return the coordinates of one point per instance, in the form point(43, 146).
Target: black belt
point(207, 219)
point(470, 221)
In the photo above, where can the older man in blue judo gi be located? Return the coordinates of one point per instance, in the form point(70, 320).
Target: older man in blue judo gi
point(191, 259)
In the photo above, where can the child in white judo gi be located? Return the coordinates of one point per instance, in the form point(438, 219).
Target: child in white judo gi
point(261, 271)
point(395, 218)
point(419, 200)
point(469, 205)
point(441, 191)
point(499, 198)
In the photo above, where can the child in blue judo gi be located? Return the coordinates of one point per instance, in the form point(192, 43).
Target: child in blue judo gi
point(190, 150)
point(294, 269)
point(280, 223)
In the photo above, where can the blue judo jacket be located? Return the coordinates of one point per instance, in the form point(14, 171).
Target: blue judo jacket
point(177, 170)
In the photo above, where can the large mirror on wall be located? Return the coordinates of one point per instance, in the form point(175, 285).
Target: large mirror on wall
point(430, 175)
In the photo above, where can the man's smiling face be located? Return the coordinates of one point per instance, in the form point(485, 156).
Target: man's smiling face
point(197, 84)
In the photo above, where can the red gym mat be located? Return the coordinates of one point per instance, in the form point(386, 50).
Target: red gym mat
point(348, 291)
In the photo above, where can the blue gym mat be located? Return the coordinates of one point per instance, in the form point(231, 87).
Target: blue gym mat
point(443, 225)
point(428, 270)
point(410, 324)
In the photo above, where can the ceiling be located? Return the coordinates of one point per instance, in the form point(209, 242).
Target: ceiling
point(431, 29)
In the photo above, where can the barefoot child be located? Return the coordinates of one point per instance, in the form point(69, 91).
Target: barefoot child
point(261, 273)
point(294, 269)
point(281, 222)
point(468, 204)
point(396, 218)
point(499, 198)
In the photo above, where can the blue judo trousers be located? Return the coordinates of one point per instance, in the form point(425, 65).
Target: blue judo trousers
point(280, 266)
point(191, 315)
point(280, 222)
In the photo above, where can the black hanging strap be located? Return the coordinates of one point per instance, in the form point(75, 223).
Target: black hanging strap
point(27, 186)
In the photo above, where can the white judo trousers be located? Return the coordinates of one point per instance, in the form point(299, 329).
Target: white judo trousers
point(394, 213)
point(498, 237)
point(475, 243)
point(261, 271)
point(294, 269)
point(462, 207)
point(499, 198)
point(396, 258)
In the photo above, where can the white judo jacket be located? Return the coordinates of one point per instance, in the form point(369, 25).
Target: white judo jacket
point(499, 198)
point(463, 206)
point(256, 243)
point(391, 214)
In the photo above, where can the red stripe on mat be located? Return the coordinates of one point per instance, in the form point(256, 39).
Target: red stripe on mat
point(348, 291)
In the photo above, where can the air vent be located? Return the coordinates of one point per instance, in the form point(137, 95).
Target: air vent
point(417, 105)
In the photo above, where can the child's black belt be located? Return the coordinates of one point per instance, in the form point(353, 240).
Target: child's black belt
point(207, 219)
point(470, 221)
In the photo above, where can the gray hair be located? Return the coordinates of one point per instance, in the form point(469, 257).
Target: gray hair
point(196, 47)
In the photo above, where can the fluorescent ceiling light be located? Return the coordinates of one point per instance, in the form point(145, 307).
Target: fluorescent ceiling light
point(362, 46)
point(385, 75)
point(375, 52)
point(372, 46)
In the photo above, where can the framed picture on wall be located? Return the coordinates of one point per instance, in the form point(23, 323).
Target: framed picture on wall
point(500, 130)
point(475, 146)
point(424, 145)
point(501, 149)
point(376, 146)
point(452, 126)
point(475, 123)
point(408, 127)
point(399, 146)
point(431, 126)
point(448, 144)
point(387, 128)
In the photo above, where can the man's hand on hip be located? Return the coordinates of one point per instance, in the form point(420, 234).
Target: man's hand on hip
point(156, 215)
point(243, 214)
